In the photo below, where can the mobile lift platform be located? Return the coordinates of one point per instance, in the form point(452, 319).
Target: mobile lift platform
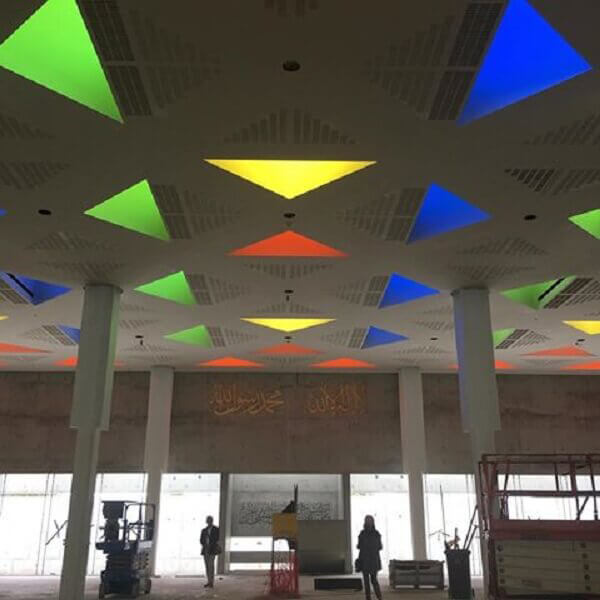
point(127, 544)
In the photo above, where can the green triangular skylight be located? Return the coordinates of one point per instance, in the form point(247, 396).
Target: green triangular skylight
point(500, 335)
point(537, 295)
point(588, 221)
point(197, 336)
point(53, 48)
point(173, 287)
point(133, 208)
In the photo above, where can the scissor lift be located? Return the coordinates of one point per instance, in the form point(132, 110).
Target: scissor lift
point(542, 558)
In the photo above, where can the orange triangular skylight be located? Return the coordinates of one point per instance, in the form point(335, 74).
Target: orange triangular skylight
point(14, 349)
point(564, 351)
point(72, 362)
point(344, 363)
point(289, 243)
point(287, 349)
point(589, 366)
point(229, 361)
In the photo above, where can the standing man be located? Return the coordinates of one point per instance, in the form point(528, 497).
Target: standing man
point(209, 540)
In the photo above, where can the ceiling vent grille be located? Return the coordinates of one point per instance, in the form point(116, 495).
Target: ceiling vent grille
point(29, 175)
point(106, 25)
point(349, 338)
point(136, 324)
point(555, 181)
point(442, 310)
point(50, 334)
point(366, 293)
point(287, 307)
point(190, 216)
point(7, 293)
point(436, 325)
point(291, 8)
point(216, 336)
point(520, 338)
point(127, 307)
point(290, 126)
point(209, 290)
point(579, 291)
point(288, 271)
point(488, 273)
point(86, 272)
point(173, 66)
point(286, 361)
point(375, 290)
point(549, 362)
point(232, 337)
point(67, 242)
point(423, 350)
point(11, 128)
point(129, 89)
point(147, 349)
point(506, 247)
point(389, 218)
point(430, 73)
point(578, 133)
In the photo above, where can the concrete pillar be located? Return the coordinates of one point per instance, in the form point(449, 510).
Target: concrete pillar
point(480, 413)
point(156, 451)
point(90, 415)
point(412, 431)
point(224, 559)
point(347, 516)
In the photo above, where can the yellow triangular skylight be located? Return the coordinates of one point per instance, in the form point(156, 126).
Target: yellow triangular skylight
point(287, 325)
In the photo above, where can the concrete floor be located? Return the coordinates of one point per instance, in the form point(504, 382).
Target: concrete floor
point(234, 587)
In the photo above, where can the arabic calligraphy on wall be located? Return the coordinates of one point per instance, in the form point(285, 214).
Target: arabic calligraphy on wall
point(226, 399)
point(337, 399)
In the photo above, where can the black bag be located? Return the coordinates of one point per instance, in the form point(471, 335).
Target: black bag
point(217, 549)
point(358, 565)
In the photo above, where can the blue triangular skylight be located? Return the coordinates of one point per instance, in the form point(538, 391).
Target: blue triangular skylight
point(33, 290)
point(441, 212)
point(401, 289)
point(525, 57)
point(2, 212)
point(379, 337)
point(71, 332)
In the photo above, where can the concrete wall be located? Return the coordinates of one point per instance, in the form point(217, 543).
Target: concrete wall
point(265, 423)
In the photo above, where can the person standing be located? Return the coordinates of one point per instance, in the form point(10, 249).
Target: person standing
point(209, 540)
point(369, 561)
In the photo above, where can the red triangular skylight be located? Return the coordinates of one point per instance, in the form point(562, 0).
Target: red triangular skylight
point(14, 349)
point(564, 351)
point(344, 363)
point(287, 349)
point(230, 361)
point(589, 366)
point(289, 243)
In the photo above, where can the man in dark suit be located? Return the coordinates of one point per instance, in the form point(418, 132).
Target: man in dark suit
point(209, 540)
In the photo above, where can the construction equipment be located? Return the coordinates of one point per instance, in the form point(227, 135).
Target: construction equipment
point(542, 558)
point(127, 544)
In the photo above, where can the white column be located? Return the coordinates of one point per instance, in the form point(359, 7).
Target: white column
point(414, 458)
point(158, 434)
point(223, 560)
point(347, 516)
point(90, 415)
point(480, 413)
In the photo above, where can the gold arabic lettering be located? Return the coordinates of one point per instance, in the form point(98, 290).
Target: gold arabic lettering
point(337, 399)
point(229, 399)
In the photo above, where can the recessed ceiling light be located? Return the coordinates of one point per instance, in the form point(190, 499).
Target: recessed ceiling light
point(433, 339)
point(44, 211)
point(530, 217)
point(291, 66)
point(289, 215)
point(139, 337)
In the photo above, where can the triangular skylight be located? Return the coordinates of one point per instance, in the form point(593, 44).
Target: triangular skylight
point(174, 287)
point(537, 295)
point(499, 335)
point(379, 337)
point(344, 363)
point(16, 349)
point(588, 221)
point(289, 178)
point(589, 327)
point(287, 350)
point(53, 48)
point(526, 56)
point(71, 332)
point(563, 351)
point(441, 212)
point(33, 291)
point(2, 212)
point(587, 366)
point(286, 324)
point(195, 336)
point(401, 289)
point(135, 209)
point(289, 243)
point(230, 362)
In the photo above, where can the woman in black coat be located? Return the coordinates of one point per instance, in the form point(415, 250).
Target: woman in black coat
point(369, 561)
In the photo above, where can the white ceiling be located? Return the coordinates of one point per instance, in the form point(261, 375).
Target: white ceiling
point(210, 72)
